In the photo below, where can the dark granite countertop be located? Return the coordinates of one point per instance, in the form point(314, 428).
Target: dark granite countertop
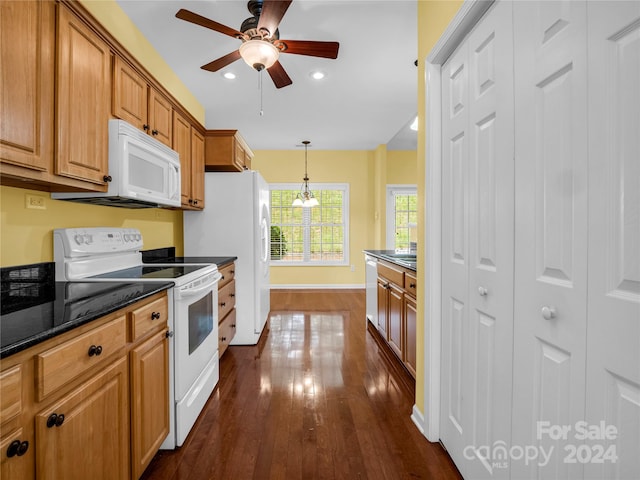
point(35, 308)
point(406, 260)
point(168, 255)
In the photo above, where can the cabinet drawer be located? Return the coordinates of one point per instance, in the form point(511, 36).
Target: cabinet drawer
point(226, 299)
point(63, 363)
point(149, 317)
point(391, 273)
point(410, 284)
point(228, 273)
point(10, 393)
point(226, 332)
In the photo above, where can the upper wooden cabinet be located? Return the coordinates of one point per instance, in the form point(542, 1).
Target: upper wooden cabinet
point(189, 143)
point(226, 151)
point(137, 102)
point(83, 93)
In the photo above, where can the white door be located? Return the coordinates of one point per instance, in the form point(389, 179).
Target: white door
point(551, 232)
point(613, 327)
point(478, 216)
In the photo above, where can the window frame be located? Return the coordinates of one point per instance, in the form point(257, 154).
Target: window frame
point(314, 187)
point(392, 191)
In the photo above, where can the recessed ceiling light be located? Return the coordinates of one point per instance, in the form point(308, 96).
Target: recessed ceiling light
point(317, 75)
point(229, 75)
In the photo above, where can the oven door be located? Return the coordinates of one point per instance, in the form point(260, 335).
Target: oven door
point(195, 329)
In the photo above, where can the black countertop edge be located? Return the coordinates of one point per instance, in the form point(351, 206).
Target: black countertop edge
point(155, 256)
point(22, 344)
point(387, 256)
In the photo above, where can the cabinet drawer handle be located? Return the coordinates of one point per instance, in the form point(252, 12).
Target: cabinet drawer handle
point(224, 339)
point(222, 304)
point(233, 325)
point(55, 420)
point(232, 295)
point(107, 178)
point(17, 448)
point(412, 285)
point(155, 315)
point(95, 350)
point(232, 272)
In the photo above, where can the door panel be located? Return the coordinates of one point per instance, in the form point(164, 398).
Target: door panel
point(613, 338)
point(551, 229)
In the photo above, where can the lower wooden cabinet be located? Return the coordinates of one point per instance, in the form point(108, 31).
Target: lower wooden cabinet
point(85, 434)
point(410, 334)
point(149, 417)
point(226, 307)
point(396, 328)
point(73, 414)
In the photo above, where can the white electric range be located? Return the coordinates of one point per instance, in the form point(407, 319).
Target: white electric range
point(103, 254)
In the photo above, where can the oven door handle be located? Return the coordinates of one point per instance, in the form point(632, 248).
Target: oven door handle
point(191, 292)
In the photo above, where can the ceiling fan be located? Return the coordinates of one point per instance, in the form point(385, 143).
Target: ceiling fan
point(261, 44)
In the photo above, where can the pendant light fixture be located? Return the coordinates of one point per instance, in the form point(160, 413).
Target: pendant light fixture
point(305, 198)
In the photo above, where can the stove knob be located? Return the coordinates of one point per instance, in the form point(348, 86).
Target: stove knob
point(79, 239)
point(138, 237)
point(88, 239)
point(126, 237)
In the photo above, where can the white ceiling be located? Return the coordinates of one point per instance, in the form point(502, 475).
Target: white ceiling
point(368, 98)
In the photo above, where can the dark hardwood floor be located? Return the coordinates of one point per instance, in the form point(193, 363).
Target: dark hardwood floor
point(316, 398)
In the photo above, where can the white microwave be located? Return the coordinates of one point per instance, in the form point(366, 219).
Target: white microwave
point(144, 172)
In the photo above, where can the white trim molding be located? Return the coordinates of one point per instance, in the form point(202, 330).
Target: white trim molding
point(318, 286)
point(469, 14)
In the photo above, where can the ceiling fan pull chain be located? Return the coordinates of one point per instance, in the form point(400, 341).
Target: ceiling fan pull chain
point(260, 81)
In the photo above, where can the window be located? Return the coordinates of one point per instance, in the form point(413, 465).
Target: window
point(402, 215)
point(310, 236)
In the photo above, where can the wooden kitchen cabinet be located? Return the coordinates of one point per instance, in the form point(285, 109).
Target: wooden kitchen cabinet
point(84, 415)
point(83, 100)
point(85, 434)
point(226, 151)
point(189, 143)
point(396, 328)
point(140, 104)
point(410, 312)
point(149, 417)
point(226, 307)
point(197, 168)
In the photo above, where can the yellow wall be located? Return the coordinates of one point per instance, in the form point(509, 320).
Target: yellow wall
point(433, 19)
point(401, 167)
point(26, 234)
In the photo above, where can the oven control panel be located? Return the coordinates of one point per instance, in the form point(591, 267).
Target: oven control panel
point(74, 242)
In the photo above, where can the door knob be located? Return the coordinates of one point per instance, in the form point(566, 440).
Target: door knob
point(482, 291)
point(548, 312)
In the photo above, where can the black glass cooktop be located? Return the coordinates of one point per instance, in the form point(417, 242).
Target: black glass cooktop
point(149, 272)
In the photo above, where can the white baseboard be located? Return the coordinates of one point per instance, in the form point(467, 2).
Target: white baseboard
point(418, 419)
point(298, 286)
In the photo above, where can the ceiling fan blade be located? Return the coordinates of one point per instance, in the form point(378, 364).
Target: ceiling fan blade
point(278, 75)
point(222, 61)
point(310, 48)
point(272, 13)
point(207, 23)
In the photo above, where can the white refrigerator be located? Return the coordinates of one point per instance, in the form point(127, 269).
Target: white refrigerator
point(236, 222)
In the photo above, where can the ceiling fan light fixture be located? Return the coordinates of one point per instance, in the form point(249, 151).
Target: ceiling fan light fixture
point(259, 54)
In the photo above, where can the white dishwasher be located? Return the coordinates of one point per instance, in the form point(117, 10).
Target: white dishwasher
point(371, 277)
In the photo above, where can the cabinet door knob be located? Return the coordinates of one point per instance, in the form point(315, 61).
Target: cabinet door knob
point(59, 419)
point(412, 285)
point(155, 315)
point(222, 304)
point(232, 295)
point(12, 450)
point(224, 339)
point(169, 334)
point(107, 178)
point(154, 132)
point(51, 420)
point(191, 200)
point(24, 446)
point(92, 350)
point(482, 291)
point(233, 325)
point(548, 312)
point(145, 127)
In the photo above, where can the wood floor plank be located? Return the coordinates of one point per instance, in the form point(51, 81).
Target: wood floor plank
point(317, 398)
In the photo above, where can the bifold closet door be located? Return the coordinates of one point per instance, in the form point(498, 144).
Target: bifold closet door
point(478, 223)
point(613, 326)
point(551, 233)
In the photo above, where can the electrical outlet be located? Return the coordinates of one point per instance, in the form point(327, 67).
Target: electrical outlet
point(353, 268)
point(35, 201)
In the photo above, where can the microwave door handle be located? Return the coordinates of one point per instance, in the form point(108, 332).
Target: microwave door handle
point(175, 180)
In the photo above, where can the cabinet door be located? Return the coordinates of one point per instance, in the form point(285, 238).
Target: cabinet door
point(395, 319)
point(383, 307)
point(20, 467)
point(160, 117)
point(92, 441)
point(410, 334)
point(130, 94)
point(197, 168)
point(83, 100)
point(27, 57)
point(182, 145)
point(149, 400)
